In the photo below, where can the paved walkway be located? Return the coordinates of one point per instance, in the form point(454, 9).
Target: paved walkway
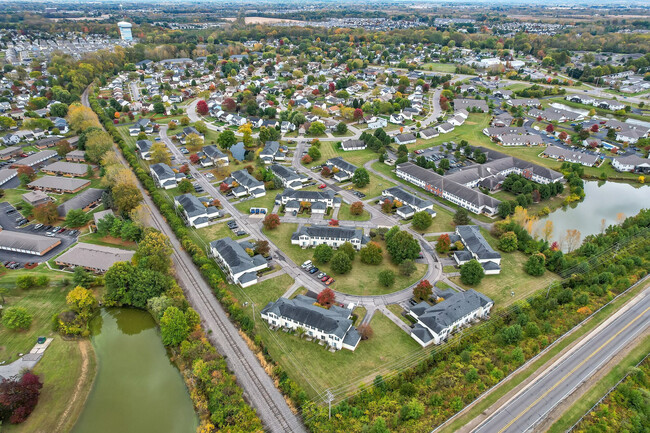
point(25, 362)
point(395, 319)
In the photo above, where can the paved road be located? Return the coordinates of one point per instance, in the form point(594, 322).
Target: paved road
point(256, 383)
point(526, 409)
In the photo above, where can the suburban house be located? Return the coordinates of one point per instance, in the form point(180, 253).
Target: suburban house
point(428, 133)
point(410, 203)
point(76, 156)
point(196, 213)
point(476, 247)
point(349, 145)
point(182, 136)
point(64, 168)
point(27, 243)
point(35, 159)
point(630, 135)
point(377, 122)
point(142, 125)
point(466, 197)
point(163, 175)
point(242, 183)
point(215, 156)
point(521, 140)
point(94, 258)
point(272, 152)
point(404, 138)
point(444, 128)
point(235, 261)
point(345, 169)
point(524, 102)
point(85, 201)
point(10, 152)
point(471, 104)
point(435, 323)
point(36, 198)
point(632, 163)
point(288, 176)
point(569, 155)
point(59, 185)
point(311, 236)
point(144, 148)
point(320, 200)
point(6, 174)
point(331, 326)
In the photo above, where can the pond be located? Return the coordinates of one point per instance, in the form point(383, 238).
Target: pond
point(137, 388)
point(238, 151)
point(603, 200)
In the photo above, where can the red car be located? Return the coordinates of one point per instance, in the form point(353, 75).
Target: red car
point(322, 185)
point(325, 278)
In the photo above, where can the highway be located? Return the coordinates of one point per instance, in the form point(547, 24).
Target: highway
point(258, 387)
point(533, 403)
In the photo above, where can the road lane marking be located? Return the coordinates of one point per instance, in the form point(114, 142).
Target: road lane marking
point(559, 382)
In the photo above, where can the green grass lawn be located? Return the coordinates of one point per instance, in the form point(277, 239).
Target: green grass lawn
point(59, 369)
point(41, 303)
point(398, 310)
point(124, 132)
point(345, 215)
point(375, 187)
point(329, 149)
point(512, 278)
point(442, 222)
point(361, 280)
point(109, 241)
point(448, 68)
point(14, 195)
point(216, 231)
point(316, 369)
point(266, 201)
point(361, 313)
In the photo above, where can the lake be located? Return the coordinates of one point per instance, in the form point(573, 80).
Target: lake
point(603, 200)
point(137, 388)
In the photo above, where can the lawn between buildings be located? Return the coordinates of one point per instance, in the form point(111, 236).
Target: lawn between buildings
point(512, 278)
point(361, 280)
point(345, 215)
point(313, 366)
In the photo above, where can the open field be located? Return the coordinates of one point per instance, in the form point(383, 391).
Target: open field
point(314, 367)
point(108, 241)
point(439, 67)
point(267, 201)
point(361, 280)
point(512, 278)
point(345, 215)
point(216, 231)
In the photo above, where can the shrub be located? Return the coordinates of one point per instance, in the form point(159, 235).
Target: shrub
point(16, 318)
point(387, 277)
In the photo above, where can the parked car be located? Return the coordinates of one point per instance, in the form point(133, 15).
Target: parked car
point(313, 270)
point(325, 278)
point(329, 281)
point(321, 275)
point(321, 186)
point(306, 264)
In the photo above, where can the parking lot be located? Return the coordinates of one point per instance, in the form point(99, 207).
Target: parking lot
point(315, 273)
point(8, 222)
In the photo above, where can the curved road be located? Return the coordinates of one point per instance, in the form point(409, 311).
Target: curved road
point(531, 405)
point(258, 387)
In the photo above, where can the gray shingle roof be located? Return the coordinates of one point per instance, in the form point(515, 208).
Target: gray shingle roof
point(26, 241)
point(62, 183)
point(342, 164)
point(94, 256)
point(476, 243)
point(191, 205)
point(236, 256)
point(408, 198)
point(444, 314)
point(80, 201)
point(346, 233)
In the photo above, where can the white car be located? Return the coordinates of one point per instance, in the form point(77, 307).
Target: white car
point(307, 264)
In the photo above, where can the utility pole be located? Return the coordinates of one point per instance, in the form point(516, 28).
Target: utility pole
point(330, 397)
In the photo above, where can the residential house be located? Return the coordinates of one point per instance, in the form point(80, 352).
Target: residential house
point(288, 176)
point(35, 159)
point(94, 258)
point(232, 257)
point(196, 213)
point(319, 200)
point(144, 148)
point(311, 236)
point(242, 183)
point(444, 128)
point(87, 200)
point(64, 168)
point(6, 174)
point(349, 145)
point(405, 138)
point(344, 170)
point(214, 156)
point(59, 185)
point(411, 204)
point(272, 152)
point(377, 122)
point(632, 163)
point(428, 133)
point(163, 175)
point(331, 326)
point(36, 198)
point(561, 154)
point(477, 248)
point(76, 156)
point(141, 125)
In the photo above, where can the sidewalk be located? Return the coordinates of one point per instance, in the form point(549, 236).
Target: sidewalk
point(26, 362)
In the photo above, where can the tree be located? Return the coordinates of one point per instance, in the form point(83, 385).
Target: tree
point(18, 397)
point(326, 297)
point(387, 206)
point(348, 249)
point(508, 242)
point(6, 122)
point(461, 217)
point(316, 128)
point(26, 175)
point(365, 331)
point(572, 239)
point(82, 301)
point(547, 231)
point(46, 213)
point(262, 247)
point(422, 220)
point(306, 159)
point(227, 139)
point(185, 186)
point(443, 243)
point(535, 265)
point(98, 142)
point(159, 108)
point(361, 177)
point(341, 128)
point(25, 282)
point(371, 254)
point(341, 262)
point(76, 218)
point(356, 208)
point(202, 108)
point(229, 105)
point(407, 267)
point(173, 327)
point(16, 318)
point(323, 253)
point(193, 142)
point(126, 195)
point(63, 147)
point(550, 128)
point(82, 277)
point(386, 277)
point(314, 153)
point(471, 273)
point(401, 245)
point(423, 290)
point(159, 154)
point(58, 110)
point(154, 252)
point(271, 221)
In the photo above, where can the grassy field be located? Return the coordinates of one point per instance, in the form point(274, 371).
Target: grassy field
point(361, 280)
point(442, 222)
point(398, 310)
point(60, 370)
point(41, 303)
point(108, 241)
point(449, 68)
point(266, 201)
point(345, 215)
point(216, 231)
point(375, 187)
point(512, 278)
